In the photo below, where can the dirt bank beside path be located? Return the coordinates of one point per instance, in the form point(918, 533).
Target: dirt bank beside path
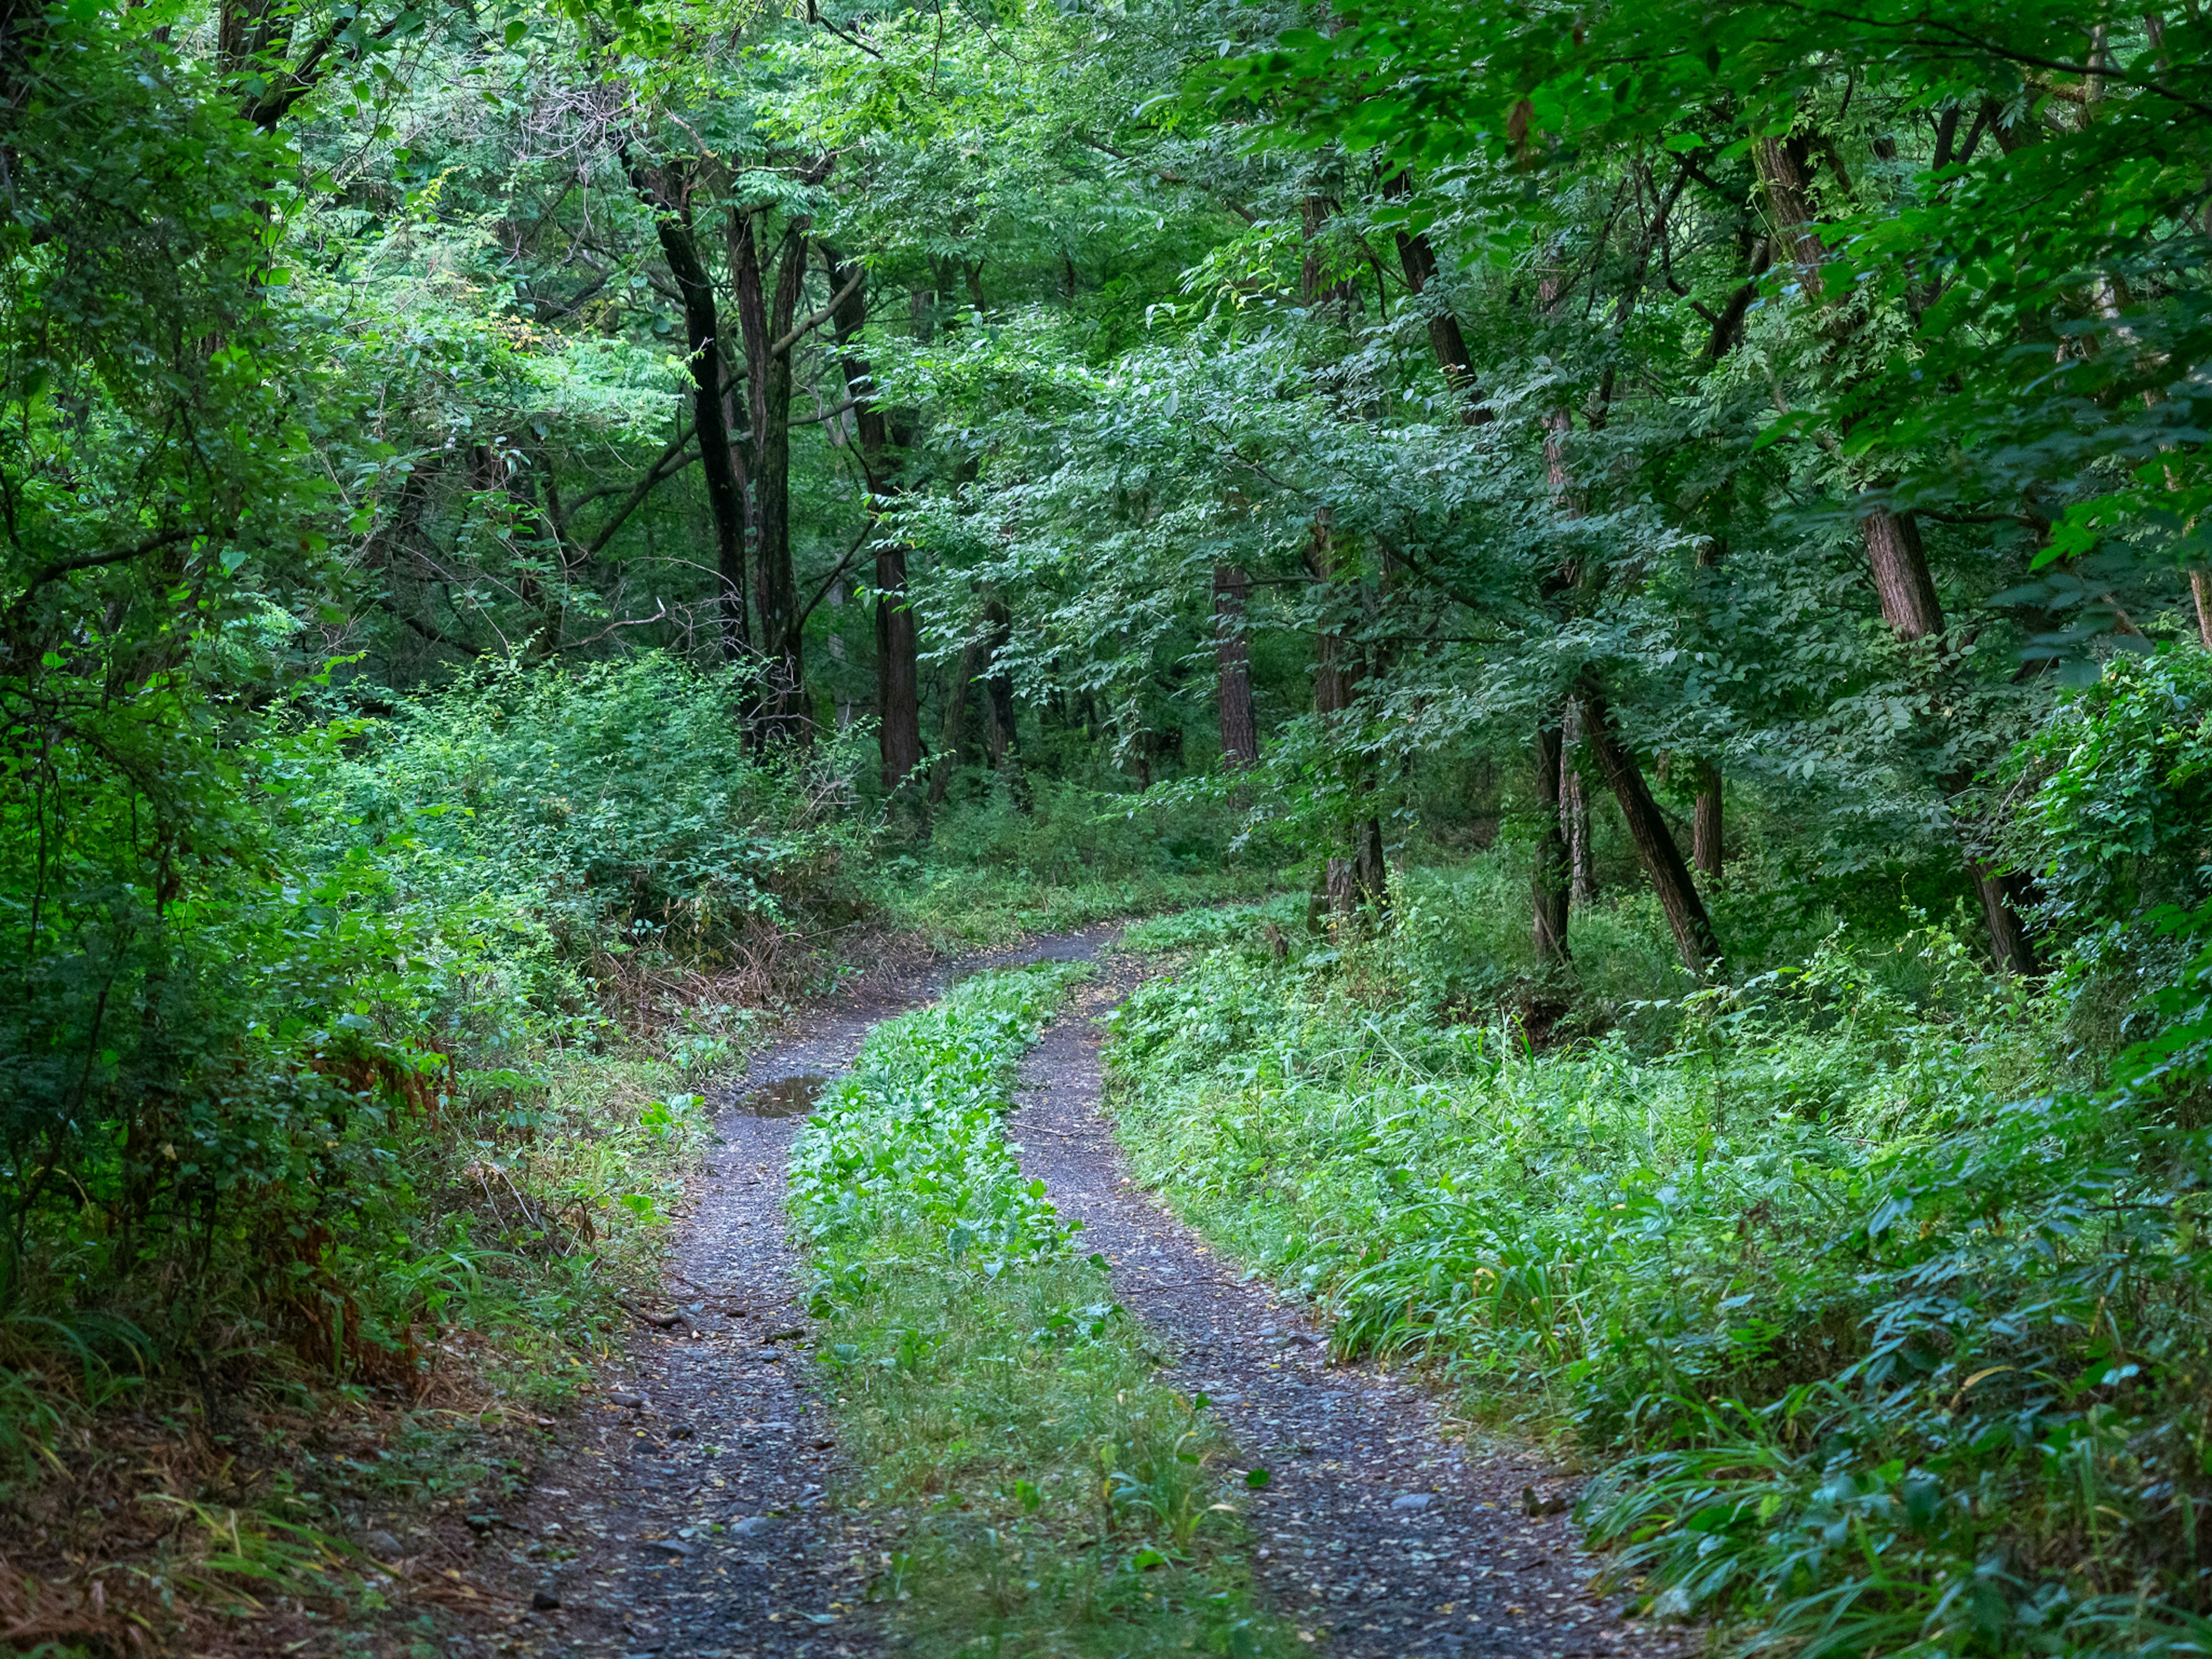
point(1378, 1534)
point(713, 1420)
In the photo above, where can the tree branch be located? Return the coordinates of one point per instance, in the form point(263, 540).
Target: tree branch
point(819, 316)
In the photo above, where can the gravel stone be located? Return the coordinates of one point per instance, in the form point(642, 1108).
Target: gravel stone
point(759, 1437)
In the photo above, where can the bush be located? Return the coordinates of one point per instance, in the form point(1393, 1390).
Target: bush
point(315, 1043)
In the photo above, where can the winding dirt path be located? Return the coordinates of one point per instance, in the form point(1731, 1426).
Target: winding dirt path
point(1379, 1533)
point(714, 1420)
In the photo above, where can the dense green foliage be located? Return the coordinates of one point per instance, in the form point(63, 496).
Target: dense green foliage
point(1053, 1497)
point(530, 536)
point(1874, 1289)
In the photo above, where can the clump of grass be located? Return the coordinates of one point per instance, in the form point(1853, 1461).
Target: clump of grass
point(1050, 1495)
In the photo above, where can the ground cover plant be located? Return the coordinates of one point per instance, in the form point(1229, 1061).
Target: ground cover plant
point(1872, 1301)
point(1047, 1495)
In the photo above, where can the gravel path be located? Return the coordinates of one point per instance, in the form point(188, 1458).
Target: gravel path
point(715, 1418)
point(1380, 1534)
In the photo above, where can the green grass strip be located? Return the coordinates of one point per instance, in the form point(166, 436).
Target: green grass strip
point(1047, 1495)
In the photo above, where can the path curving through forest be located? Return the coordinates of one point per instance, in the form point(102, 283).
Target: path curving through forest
point(685, 1519)
point(1378, 1532)
point(714, 1420)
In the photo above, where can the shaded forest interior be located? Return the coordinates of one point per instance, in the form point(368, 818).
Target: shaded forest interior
point(1629, 585)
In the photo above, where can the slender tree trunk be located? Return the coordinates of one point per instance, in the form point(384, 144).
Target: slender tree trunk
point(784, 702)
point(956, 718)
point(1902, 581)
point(1337, 671)
point(763, 319)
point(1371, 868)
point(1910, 606)
point(1647, 829)
point(1706, 847)
point(1901, 577)
point(1552, 884)
point(1240, 734)
point(1574, 808)
point(2200, 588)
point(998, 687)
point(898, 677)
point(665, 191)
point(1418, 261)
point(748, 288)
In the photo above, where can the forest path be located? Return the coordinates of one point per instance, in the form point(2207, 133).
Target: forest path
point(716, 1420)
point(1378, 1534)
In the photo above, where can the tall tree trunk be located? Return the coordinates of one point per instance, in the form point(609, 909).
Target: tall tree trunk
point(1705, 844)
point(1551, 884)
point(1655, 844)
point(1910, 606)
point(664, 189)
point(2200, 589)
point(1902, 580)
point(1232, 654)
point(1418, 261)
point(784, 703)
point(780, 710)
point(1360, 877)
point(956, 719)
point(1707, 849)
point(998, 686)
point(1901, 577)
point(898, 677)
point(1574, 808)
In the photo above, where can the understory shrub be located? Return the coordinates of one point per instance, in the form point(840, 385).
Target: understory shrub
point(317, 1075)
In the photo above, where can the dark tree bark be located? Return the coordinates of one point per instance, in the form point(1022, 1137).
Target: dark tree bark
point(1232, 656)
point(1337, 671)
point(1901, 578)
point(1418, 261)
point(1371, 868)
point(1647, 828)
point(1705, 843)
point(1707, 849)
point(1899, 563)
point(782, 709)
point(956, 719)
point(1910, 606)
point(1551, 883)
point(898, 679)
point(665, 191)
point(1574, 809)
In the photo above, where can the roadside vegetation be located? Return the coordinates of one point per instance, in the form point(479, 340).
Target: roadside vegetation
point(1044, 1493)
point(1869, 1288)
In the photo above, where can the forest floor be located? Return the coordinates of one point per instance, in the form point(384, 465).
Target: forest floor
point(692, 1510)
